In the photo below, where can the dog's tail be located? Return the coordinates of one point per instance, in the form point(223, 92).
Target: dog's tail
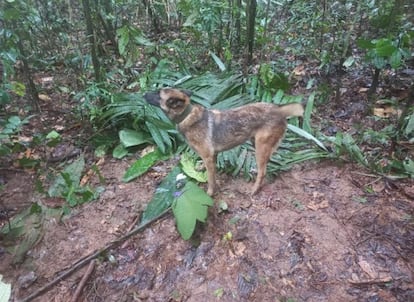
point(294, 109)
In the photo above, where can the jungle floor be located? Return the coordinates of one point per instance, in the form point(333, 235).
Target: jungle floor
point(313, 233)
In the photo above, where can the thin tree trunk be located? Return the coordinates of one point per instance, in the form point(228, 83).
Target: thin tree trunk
point(91, 36)
point(154, 21)
point(251, 20)
point(28, 74)
point(266, 22)
point(237, 25)
point(374, 84)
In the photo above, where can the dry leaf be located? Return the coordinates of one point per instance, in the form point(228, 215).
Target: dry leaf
point(367, 268)
point(314, 206)
point(44, 97)
point(91, 172)
point(46, 80)
point(299, 70)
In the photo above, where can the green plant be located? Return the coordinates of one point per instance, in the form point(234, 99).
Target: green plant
point(26, 229)
point(129, 38)
point(67, 185)
point(9, 135)
point(189, 203)
point(384, 51)
point(142, 165)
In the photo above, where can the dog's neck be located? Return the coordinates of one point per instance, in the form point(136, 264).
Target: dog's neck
point(184, 114)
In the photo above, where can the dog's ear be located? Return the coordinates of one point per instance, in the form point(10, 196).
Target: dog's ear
point(187, 92)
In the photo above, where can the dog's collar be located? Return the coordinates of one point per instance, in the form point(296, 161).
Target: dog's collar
point(184, 114)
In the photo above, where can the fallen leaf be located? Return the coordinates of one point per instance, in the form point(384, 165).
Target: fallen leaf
point(299, 70)
point(314, 206)
point(367, 268)
point(46, 80)
point(44, 97)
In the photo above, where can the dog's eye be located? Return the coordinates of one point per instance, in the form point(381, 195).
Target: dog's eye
point(175, 102)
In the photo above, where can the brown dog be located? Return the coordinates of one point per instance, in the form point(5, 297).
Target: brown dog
point(211, 131)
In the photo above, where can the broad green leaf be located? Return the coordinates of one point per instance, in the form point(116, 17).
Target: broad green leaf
point(396, 59)
point(365, 44)
point(18, 88)
point(119, 151)
point(277, 99)
point(160, 140)
point(409, 129)
point(191, 206)
point(240, 161)
point(354, 151)
point(218, 61)
point(142, 165)
point(11, 14)
point(131, 138)
point(409, 167)
point(379, 62)
point(14, 121)
point(27, 226)
point(123, 39)
point(53, 135)
point(100, 151)
point(384, 48)
point(188, 166)
point(72, 172)
point(5, 290)
point(307, 135)
point(307, 114)
point(348, 62)
point(163, 196)
point(4, 97)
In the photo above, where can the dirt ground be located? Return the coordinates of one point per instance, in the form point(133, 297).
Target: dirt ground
point(314, 233)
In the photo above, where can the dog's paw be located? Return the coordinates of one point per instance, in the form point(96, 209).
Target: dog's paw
point(211, 190)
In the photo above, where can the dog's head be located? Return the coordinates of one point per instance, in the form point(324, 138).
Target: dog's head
point(174, 102)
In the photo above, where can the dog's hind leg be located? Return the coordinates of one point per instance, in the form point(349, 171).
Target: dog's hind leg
point(266, 141)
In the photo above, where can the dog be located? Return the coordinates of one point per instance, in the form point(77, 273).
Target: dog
point(210, 131)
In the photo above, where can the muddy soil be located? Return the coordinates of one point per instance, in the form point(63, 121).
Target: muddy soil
point(315, 233)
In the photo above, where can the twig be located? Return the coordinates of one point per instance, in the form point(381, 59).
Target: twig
point(371, 281)
point(83, 261)
point(82, 283)
point(130, 228)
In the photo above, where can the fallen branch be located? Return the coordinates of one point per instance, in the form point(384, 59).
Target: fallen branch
point(83, 281)
point(83, 261)
point(371, 281)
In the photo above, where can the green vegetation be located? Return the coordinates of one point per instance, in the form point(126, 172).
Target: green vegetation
point(104, 55)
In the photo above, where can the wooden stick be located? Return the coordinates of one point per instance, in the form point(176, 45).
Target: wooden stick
point(84, 260)
point(83, 281)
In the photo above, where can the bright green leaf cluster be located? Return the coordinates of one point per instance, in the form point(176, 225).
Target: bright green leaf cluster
point(190, 206)
point(381, 52)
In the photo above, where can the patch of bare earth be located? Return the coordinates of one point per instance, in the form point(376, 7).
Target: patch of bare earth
point(311, 234)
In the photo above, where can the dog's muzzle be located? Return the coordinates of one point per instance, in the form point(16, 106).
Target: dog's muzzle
point(152, 98)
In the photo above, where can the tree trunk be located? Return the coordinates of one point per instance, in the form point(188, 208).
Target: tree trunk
point(251, 20)
point(91, 36)
point(266, 22)
point(374, 84)
point(154, 21)
point(237, 25)
point(28, 74)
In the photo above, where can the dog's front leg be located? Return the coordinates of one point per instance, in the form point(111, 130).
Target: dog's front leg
point(210, 163)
